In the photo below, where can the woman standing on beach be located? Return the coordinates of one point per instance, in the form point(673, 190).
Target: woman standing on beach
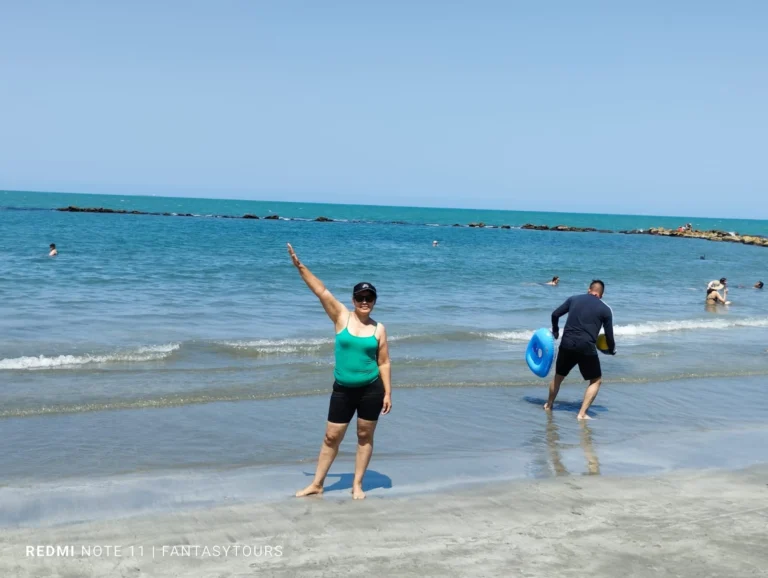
point(362, 377)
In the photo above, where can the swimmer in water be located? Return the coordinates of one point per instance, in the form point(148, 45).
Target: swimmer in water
point(434, 243)
point(361, 377)
point(53, 252)
point(713, 297)
point(555, 281)
point(759, 285)
point(717, 285)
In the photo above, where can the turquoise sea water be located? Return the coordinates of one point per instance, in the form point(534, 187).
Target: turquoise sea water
point(159, 344)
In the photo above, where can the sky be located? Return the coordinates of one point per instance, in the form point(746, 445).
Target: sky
point(652, 107)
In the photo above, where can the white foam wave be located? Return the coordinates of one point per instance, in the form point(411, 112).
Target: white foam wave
point(278, 345)
point(510, 335)
point(651, 327)
point(149, 353)
point(689, 325)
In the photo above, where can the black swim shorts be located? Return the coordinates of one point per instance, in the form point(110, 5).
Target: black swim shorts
point(589, 364)
point(367, 401)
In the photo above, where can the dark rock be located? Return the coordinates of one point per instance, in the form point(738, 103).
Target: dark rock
point(272, 217)
point(477, 224)
point(505, 227)
point(249, 216)
point(456, 225)
point(324, 220)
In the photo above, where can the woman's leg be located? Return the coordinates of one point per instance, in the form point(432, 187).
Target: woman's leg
point(340, 412)
point(365, 429)
point(368, 412)
point(334, 433)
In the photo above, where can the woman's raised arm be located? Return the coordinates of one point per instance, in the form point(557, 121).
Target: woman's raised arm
point(333, 307)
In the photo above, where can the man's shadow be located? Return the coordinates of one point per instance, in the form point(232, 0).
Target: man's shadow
point(570, 406)
point(372, 480)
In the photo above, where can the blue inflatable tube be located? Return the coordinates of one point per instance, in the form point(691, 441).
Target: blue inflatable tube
point(541, 352)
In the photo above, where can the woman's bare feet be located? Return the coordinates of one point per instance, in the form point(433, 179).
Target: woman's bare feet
point(358, 493)
point(311, 490)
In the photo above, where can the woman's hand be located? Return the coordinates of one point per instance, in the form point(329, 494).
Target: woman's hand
point(294, 258)
point(387, 404)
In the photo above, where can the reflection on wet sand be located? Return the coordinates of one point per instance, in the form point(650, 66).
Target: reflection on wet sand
point(554, 447)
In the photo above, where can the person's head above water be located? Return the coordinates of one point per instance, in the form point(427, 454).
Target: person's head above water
point(52, 245)
point(555, 279)
point(596, 288)
point(759, 285)
point(364, 298)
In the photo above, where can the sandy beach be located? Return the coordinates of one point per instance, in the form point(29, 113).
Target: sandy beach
point(706, 523)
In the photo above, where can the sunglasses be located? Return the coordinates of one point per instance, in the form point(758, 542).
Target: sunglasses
point(365, 298)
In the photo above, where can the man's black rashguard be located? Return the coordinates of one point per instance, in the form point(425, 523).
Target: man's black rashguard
point(586, 315)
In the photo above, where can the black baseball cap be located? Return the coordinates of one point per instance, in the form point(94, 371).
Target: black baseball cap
point(361, 287)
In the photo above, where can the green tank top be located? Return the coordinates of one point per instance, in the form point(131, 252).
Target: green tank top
point(356, 359)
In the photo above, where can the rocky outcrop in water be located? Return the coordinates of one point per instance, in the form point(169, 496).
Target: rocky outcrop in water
point(73, 209)
point(713, 235)
point(532, 227)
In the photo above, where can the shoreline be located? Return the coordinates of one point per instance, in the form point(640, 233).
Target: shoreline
point(711, 235)
point(688, 523)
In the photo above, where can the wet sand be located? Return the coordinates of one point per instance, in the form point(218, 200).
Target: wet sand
point(703, 523)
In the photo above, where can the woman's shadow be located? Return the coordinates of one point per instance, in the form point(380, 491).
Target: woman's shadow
point(372, 480)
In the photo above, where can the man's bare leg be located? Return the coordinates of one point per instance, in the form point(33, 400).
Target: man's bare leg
point(334, 433)
point(365, 429)
point(554, 388)
point(589, 397)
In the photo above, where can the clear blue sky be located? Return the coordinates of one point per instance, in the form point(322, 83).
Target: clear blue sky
point(647, 107)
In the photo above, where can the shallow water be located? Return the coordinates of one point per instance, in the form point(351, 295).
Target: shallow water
point(154, 344)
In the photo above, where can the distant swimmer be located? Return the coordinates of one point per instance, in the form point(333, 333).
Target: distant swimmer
point(586, 315)
point(717, 285)
point(759, 285)
point(555, 281)
point(361, 377)
point(53, 252)
point(434, 243)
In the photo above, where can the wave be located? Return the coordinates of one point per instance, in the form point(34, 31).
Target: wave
point(324, 346)
point(149, 353)
point(283, 346)
point(650, 327)
point(689, 325)
point(509, 335)
point(275, 346)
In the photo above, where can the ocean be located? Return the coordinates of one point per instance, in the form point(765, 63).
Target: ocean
point(168, 361)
